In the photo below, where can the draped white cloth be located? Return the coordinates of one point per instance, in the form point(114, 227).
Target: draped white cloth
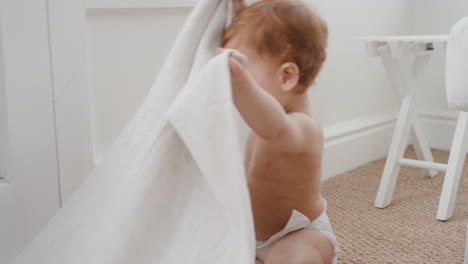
point(172, 188)
point(457, 67)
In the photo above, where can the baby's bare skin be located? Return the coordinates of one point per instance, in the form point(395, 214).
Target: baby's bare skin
point(280, 182)
point(283, 155)
point(284, 167)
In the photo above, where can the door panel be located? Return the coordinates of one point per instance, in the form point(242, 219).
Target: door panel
point(29, 193)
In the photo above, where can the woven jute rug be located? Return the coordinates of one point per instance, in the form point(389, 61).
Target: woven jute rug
point(404, 232)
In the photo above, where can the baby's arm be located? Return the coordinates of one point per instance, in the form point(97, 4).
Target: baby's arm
point(295, 132)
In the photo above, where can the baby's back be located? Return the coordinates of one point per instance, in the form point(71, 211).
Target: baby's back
point(280, 182)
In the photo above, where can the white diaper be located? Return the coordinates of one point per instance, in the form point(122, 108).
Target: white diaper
point(298, 221)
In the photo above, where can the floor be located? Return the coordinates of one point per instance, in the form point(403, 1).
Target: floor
point(404, 232)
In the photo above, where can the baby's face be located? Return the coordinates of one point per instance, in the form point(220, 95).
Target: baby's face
point(263, 69)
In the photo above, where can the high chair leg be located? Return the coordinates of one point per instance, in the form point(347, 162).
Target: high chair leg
point(396, 152)
point(454, 170)
point(399, 82)
point(405, 121)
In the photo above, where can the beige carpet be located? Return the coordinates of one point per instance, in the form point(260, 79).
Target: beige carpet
point(404, 232)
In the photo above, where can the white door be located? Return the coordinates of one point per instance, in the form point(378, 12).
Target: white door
point(29, 188)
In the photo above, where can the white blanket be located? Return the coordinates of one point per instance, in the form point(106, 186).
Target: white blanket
point(172, 188)
point(457, 67)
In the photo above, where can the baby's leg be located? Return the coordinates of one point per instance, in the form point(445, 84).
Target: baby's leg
point(258, 262)
point(305, 246)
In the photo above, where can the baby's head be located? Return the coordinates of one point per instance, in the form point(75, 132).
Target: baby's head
point(285, 41)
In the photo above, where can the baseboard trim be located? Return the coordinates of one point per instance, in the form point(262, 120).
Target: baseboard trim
point(355, 143)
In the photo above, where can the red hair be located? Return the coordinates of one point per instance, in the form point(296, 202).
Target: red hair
point(288, 30)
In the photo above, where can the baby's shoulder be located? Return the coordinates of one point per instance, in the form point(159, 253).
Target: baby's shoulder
point(308, 121)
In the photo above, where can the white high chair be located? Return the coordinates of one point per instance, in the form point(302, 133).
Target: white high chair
point(390, 49)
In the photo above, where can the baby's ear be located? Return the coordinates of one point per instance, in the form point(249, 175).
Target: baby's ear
point(289, 76)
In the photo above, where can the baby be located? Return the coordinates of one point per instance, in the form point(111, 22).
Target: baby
point(281, 48)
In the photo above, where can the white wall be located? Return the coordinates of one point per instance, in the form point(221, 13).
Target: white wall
point(437, 17)
point(352, 95)
point(353, 85)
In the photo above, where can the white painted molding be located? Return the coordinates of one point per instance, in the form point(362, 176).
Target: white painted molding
point(355, 143)
point(119, 4)
point(336, 133)
point(3, 118)
point(440, 116)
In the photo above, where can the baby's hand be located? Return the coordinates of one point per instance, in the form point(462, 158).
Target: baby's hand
point(237, 65)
